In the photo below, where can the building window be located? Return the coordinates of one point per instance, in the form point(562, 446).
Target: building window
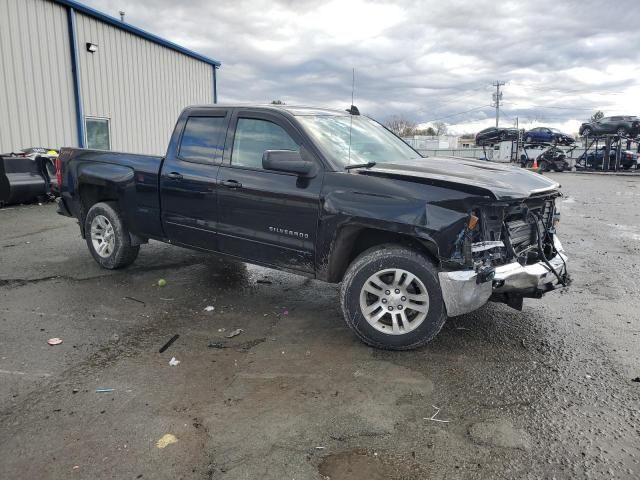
point(98, 133)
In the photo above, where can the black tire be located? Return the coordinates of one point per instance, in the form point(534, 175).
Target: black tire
point(381, 258)
point(621, 132)
point(544, 166)
point(123, 253)
point(586, 132)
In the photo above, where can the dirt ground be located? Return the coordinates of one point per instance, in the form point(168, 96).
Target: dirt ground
point(542, 393)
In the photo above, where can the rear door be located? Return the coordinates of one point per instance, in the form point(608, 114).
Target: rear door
point(188, 181)
point(267, 217)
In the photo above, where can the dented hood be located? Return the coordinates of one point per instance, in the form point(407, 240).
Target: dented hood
point(503, 181)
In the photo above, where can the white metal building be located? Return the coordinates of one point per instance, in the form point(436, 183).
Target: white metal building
point(73, 76)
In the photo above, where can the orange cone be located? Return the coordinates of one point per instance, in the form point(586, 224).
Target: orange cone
point(535, 163)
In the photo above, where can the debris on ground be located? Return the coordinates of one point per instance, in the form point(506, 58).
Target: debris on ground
point(115, 338)
point(235, 333)
point(104, 390)
point(167, 439)
point(162, 282)
point(221, 329)
point(134, 300)
point(637, 379)
point(168, 344)
point(209, 308)
point(433, 417)
point(217, 345)
point(173, 362)
point(266, 282)
point(54, 341)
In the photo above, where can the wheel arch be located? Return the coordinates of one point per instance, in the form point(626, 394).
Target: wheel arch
point(351, 241)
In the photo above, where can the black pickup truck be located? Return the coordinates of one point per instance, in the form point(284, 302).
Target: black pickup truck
point(335, 196)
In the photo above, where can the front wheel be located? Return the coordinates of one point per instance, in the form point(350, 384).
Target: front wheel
point(391, 298)
point(108, 238)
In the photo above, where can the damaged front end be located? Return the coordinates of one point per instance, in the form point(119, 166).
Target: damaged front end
point(510, 251)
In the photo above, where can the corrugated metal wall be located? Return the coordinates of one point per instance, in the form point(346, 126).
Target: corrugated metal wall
point(37, 107)
point(139, 85)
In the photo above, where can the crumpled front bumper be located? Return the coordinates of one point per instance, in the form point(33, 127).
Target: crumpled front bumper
point(462, 293)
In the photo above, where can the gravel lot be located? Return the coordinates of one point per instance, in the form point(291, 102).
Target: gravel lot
point(542, 393)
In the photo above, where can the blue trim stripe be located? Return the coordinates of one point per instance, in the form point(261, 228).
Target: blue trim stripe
point(75, 71)
point(136, 31)
point(215, 85)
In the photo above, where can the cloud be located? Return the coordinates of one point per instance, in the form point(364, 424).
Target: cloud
point(423, 60)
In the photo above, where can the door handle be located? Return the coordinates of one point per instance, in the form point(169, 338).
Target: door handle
point(174, 176)
point(232, 184)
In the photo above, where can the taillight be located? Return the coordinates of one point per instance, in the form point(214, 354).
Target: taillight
point(59, 172)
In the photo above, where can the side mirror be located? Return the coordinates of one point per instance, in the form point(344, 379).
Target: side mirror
point(289, 161)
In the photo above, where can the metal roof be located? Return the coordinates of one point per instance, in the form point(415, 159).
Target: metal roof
point(91, 12)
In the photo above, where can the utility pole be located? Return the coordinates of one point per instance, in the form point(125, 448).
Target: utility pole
point(497, 98)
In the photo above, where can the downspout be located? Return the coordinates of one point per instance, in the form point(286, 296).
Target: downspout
point(215, 85)
point(75, 72)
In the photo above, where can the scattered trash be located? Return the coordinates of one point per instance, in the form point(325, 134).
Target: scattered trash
point(217, 345)
point(104, 390)
point(168, 344)
point(54, 341)
point(162, 282)
point(166, 440)
point(433, 417)
point(173, 362)
point(235, 333)
point(75, 467)
point(637, 379)
point(266, 282)
point(134, 300)
point(167, 299)
point(75, 390)
point(320, 448)
point(209, 308)
point(221, 329)
point(588, 377)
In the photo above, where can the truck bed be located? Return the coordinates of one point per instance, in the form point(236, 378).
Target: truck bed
point(131, 178)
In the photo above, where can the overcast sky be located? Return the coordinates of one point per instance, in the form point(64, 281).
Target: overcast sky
point(424, 60)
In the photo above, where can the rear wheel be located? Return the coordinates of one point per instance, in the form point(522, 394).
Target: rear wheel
point(108, 238)
point(622, 132)
point(586, 132)
point(391, 298)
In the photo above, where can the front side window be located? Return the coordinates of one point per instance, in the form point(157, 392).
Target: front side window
point(253, 137)
point(203, 140)
point(97, 130)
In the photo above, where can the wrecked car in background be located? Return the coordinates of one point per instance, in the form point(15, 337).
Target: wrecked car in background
point(334, 196)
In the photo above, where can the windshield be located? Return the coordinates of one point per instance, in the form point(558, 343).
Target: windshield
point(370, 141)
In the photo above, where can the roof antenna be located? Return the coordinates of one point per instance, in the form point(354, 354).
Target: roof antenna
point(121, 15)
point(352, 109)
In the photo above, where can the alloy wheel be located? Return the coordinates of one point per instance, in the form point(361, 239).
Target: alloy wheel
point(394, 301)
point(102, 236)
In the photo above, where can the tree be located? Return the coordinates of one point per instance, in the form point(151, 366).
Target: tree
point(401, 126)
point(277, 102)
point(429, 131)
point(596, 116)
point(441, 128)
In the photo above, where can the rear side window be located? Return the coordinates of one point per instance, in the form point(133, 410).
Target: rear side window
point(203, 140)
point(253, 137)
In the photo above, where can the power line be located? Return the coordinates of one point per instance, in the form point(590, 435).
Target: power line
point(458, 113)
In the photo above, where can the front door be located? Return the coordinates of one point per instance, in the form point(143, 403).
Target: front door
point(267, 217)
point(188, 182)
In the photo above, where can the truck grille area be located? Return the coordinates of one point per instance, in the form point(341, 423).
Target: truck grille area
point(518, 227)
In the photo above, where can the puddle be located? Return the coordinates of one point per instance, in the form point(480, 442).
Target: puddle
point(361, 464)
